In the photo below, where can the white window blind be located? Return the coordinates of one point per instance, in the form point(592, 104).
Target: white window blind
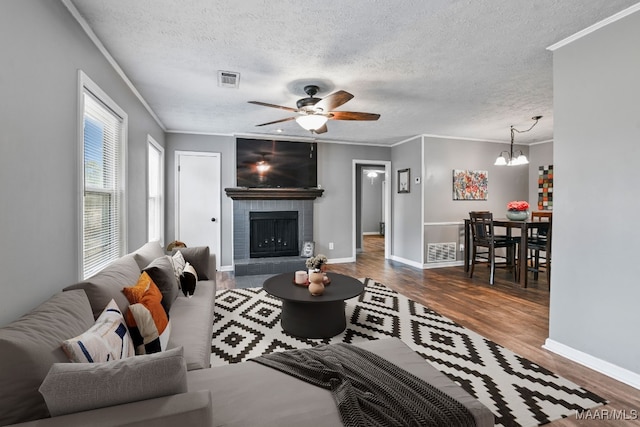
point(155, 192)
point(103, 141)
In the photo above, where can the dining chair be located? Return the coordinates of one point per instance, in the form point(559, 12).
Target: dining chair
point(482, 232)
point(539, 245)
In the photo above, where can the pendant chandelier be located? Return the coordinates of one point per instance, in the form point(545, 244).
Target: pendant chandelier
point(509, 158)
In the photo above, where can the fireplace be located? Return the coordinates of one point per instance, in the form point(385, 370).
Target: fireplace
point(273, 234)
point(244, 263)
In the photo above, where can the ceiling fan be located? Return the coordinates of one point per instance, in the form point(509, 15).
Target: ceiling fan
point(313, 113)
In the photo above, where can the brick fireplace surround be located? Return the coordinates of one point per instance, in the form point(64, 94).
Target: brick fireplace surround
point(260, 200)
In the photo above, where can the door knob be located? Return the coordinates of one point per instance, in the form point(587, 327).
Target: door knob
point(213, 220)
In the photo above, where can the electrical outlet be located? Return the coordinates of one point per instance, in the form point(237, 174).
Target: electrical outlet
point(330, 246)
point(461, 247)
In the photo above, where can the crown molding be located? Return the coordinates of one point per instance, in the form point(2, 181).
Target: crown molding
point(103, 50)
point(580, 34)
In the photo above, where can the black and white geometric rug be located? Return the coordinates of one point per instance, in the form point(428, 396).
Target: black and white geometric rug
point(516, 390)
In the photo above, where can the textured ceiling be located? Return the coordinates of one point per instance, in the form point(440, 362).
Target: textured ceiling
point(463, 68)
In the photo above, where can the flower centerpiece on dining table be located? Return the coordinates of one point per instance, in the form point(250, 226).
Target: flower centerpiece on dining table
point(518, 210)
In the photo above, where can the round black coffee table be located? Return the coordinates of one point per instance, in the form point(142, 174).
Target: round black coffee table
point(306, 316)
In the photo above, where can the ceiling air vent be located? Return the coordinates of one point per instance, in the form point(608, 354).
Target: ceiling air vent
point(228, 79)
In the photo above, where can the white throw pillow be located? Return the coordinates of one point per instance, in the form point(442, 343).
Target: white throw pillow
point(108, 339)
point(178, 262)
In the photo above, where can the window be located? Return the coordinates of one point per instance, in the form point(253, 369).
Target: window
point(155, 192)
point(103, 148)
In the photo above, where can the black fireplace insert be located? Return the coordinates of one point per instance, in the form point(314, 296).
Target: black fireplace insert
point(273, 234)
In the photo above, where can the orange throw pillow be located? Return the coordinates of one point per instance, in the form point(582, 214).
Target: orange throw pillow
point(146, 318)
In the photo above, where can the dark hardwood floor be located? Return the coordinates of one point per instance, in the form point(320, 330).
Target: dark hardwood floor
point(515, 318)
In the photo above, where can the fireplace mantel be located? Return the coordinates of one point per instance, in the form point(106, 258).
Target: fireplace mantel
point(245, 193)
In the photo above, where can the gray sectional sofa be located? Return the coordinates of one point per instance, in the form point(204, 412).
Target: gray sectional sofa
point(173, 387)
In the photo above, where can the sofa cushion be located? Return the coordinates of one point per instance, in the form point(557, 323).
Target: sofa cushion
point(147, 253)
point(108, 283)
point(108, 339)
point(71, 387)
point(30, 345)
point(161, 272)
point(146, 317)
point(188, 280)
point(192, 325)
point(198, 256)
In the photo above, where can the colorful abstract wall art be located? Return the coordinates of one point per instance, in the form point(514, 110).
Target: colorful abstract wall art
point(545, 188)
point(470, 185)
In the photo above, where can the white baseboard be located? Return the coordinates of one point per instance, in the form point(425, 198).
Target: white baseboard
point(371, 233)
point(431, 265)
point(407, 261)
point(340, 260)
point(599, 365)
point(226, 268)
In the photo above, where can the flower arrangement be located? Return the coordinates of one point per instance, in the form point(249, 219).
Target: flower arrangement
point(518, 206)
point(316, 262)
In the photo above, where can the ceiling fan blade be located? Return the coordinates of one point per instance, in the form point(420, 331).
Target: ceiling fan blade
point(333, 100)
point(352, 115)
point(321, 129)
point(277, 121)
point(264, 104)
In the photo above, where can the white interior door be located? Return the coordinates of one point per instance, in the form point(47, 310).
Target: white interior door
point(198, 200)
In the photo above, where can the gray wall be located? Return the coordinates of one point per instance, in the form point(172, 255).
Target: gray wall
point(595, 291)
point(333, 211)
point(441, 157)
point(539, 155)
point(226, 146)
point(39, 150)
point(406, 208)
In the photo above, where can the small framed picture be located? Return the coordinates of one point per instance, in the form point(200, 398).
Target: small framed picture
point(307, 249)
point(404, 177)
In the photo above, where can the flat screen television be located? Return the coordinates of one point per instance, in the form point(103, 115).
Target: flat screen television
point(264, 163)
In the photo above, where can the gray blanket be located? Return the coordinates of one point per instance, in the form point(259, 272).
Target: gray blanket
point(368, 389)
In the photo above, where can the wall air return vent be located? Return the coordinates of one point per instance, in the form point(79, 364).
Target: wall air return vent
point(228, 79)
point(438, 252)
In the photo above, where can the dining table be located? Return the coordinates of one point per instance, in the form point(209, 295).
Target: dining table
point(510, 225)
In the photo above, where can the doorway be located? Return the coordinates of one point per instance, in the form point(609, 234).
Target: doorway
point(198, 200)
point(371, 203)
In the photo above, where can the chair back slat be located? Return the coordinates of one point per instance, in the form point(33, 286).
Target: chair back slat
point(540, 241)
point(542, 231)
point(482, 226)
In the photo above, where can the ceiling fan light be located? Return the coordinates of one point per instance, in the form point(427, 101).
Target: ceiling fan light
point(263, 166)
point(312, 121)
